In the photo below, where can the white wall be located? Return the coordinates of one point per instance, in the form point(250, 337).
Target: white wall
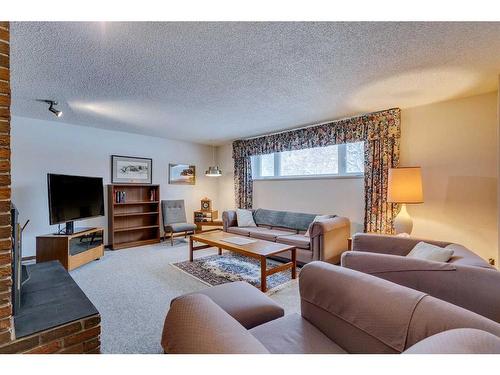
point(40, 147)
point(225, 183)
point(455, 143)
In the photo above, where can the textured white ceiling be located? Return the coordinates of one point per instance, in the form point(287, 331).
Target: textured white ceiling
point(214, 82)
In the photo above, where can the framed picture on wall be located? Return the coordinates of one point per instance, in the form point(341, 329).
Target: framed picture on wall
point(181, 174)
point(131, 170)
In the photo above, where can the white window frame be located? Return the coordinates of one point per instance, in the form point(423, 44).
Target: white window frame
point(342, 158)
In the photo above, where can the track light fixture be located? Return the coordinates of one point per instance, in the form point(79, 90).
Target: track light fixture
point(51, 104)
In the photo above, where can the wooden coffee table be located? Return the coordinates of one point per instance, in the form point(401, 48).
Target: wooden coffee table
point(260, 249)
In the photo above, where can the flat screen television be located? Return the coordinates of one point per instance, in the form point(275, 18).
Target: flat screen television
point(74, 198)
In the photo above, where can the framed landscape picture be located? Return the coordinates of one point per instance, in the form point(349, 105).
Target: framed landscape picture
point(131, 170)
point(181, 174)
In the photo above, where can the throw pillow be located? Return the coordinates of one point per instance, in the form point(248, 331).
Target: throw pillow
point(317, 218)
point(245, 218)
point(426, 251)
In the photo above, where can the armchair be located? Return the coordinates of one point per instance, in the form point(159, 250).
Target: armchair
point(466, 280)
point(342, 311)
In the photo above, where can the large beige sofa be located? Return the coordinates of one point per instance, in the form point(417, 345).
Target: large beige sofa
point(327, 239)
point(465, 280)
point(342, 311)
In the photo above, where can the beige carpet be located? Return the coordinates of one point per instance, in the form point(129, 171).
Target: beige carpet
point(132, 289)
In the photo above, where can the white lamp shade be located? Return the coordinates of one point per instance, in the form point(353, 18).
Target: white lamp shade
point(405, 185)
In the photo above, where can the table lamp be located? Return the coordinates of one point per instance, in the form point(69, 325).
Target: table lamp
point(405, 187)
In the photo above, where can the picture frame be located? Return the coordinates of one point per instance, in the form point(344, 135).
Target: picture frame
point(181, 174)
point(131, 170)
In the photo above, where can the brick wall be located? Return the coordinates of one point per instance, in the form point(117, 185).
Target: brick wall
point(81, 336)
point(6, 333)
point(77, 337)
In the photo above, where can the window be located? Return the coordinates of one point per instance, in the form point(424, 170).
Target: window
point(330, 161)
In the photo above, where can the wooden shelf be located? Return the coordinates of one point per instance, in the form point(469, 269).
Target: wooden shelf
point(137, 202)
point(72, 250)
point(120, 245)
point(136, 214)
point(136, 221)
point(135, 228)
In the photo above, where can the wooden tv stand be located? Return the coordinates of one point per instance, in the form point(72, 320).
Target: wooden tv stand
point(72, 250)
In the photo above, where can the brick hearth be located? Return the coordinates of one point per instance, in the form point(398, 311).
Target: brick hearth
point(81, 336)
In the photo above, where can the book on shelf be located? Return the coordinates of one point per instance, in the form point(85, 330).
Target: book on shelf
point(120, 196)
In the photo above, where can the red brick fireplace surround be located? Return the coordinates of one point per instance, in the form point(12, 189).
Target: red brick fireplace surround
point(79, 336)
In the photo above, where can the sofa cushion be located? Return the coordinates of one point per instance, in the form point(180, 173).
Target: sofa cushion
point(427, 251)
point(297, 240)
point(244, 302)
point(246, 231)
point(284, 219)
point(268, 234)
point(244, 218)
point(292, 334)
point(239, 230)
point(180, 227)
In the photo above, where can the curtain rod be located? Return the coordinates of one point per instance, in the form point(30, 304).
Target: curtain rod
point(317, 124)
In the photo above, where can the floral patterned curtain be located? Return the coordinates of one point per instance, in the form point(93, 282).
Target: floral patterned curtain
point(380, 132)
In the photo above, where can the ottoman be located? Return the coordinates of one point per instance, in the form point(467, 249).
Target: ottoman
point(244, 302)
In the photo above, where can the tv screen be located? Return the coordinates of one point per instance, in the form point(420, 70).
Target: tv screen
point(74, 197)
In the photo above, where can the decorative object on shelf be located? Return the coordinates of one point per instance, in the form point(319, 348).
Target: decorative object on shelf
point(213, 171)
point(205, 216)
point(131, 170)
point(405, 187)
point(152, 195)
point(181, 174)
point(206, 204)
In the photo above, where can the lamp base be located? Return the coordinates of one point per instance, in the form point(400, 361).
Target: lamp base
point(403, 222)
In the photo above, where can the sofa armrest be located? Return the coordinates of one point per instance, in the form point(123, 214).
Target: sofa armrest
point(374, 263)
point(329, 238)
point(197, 325)
point(229, 219)
point(457, 341)
point(388, 244)
point(473, 288)
point(359, 312)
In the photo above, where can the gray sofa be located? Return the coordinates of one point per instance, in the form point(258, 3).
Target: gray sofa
point(327, 240)
point(465, 280)
point(342, 311)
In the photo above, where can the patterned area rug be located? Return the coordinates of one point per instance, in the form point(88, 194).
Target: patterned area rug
point(220, 269)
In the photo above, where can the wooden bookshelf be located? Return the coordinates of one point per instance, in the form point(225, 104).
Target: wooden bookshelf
point(134, 218)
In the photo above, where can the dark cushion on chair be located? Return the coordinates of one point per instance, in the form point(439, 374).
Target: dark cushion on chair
point(180, 227)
